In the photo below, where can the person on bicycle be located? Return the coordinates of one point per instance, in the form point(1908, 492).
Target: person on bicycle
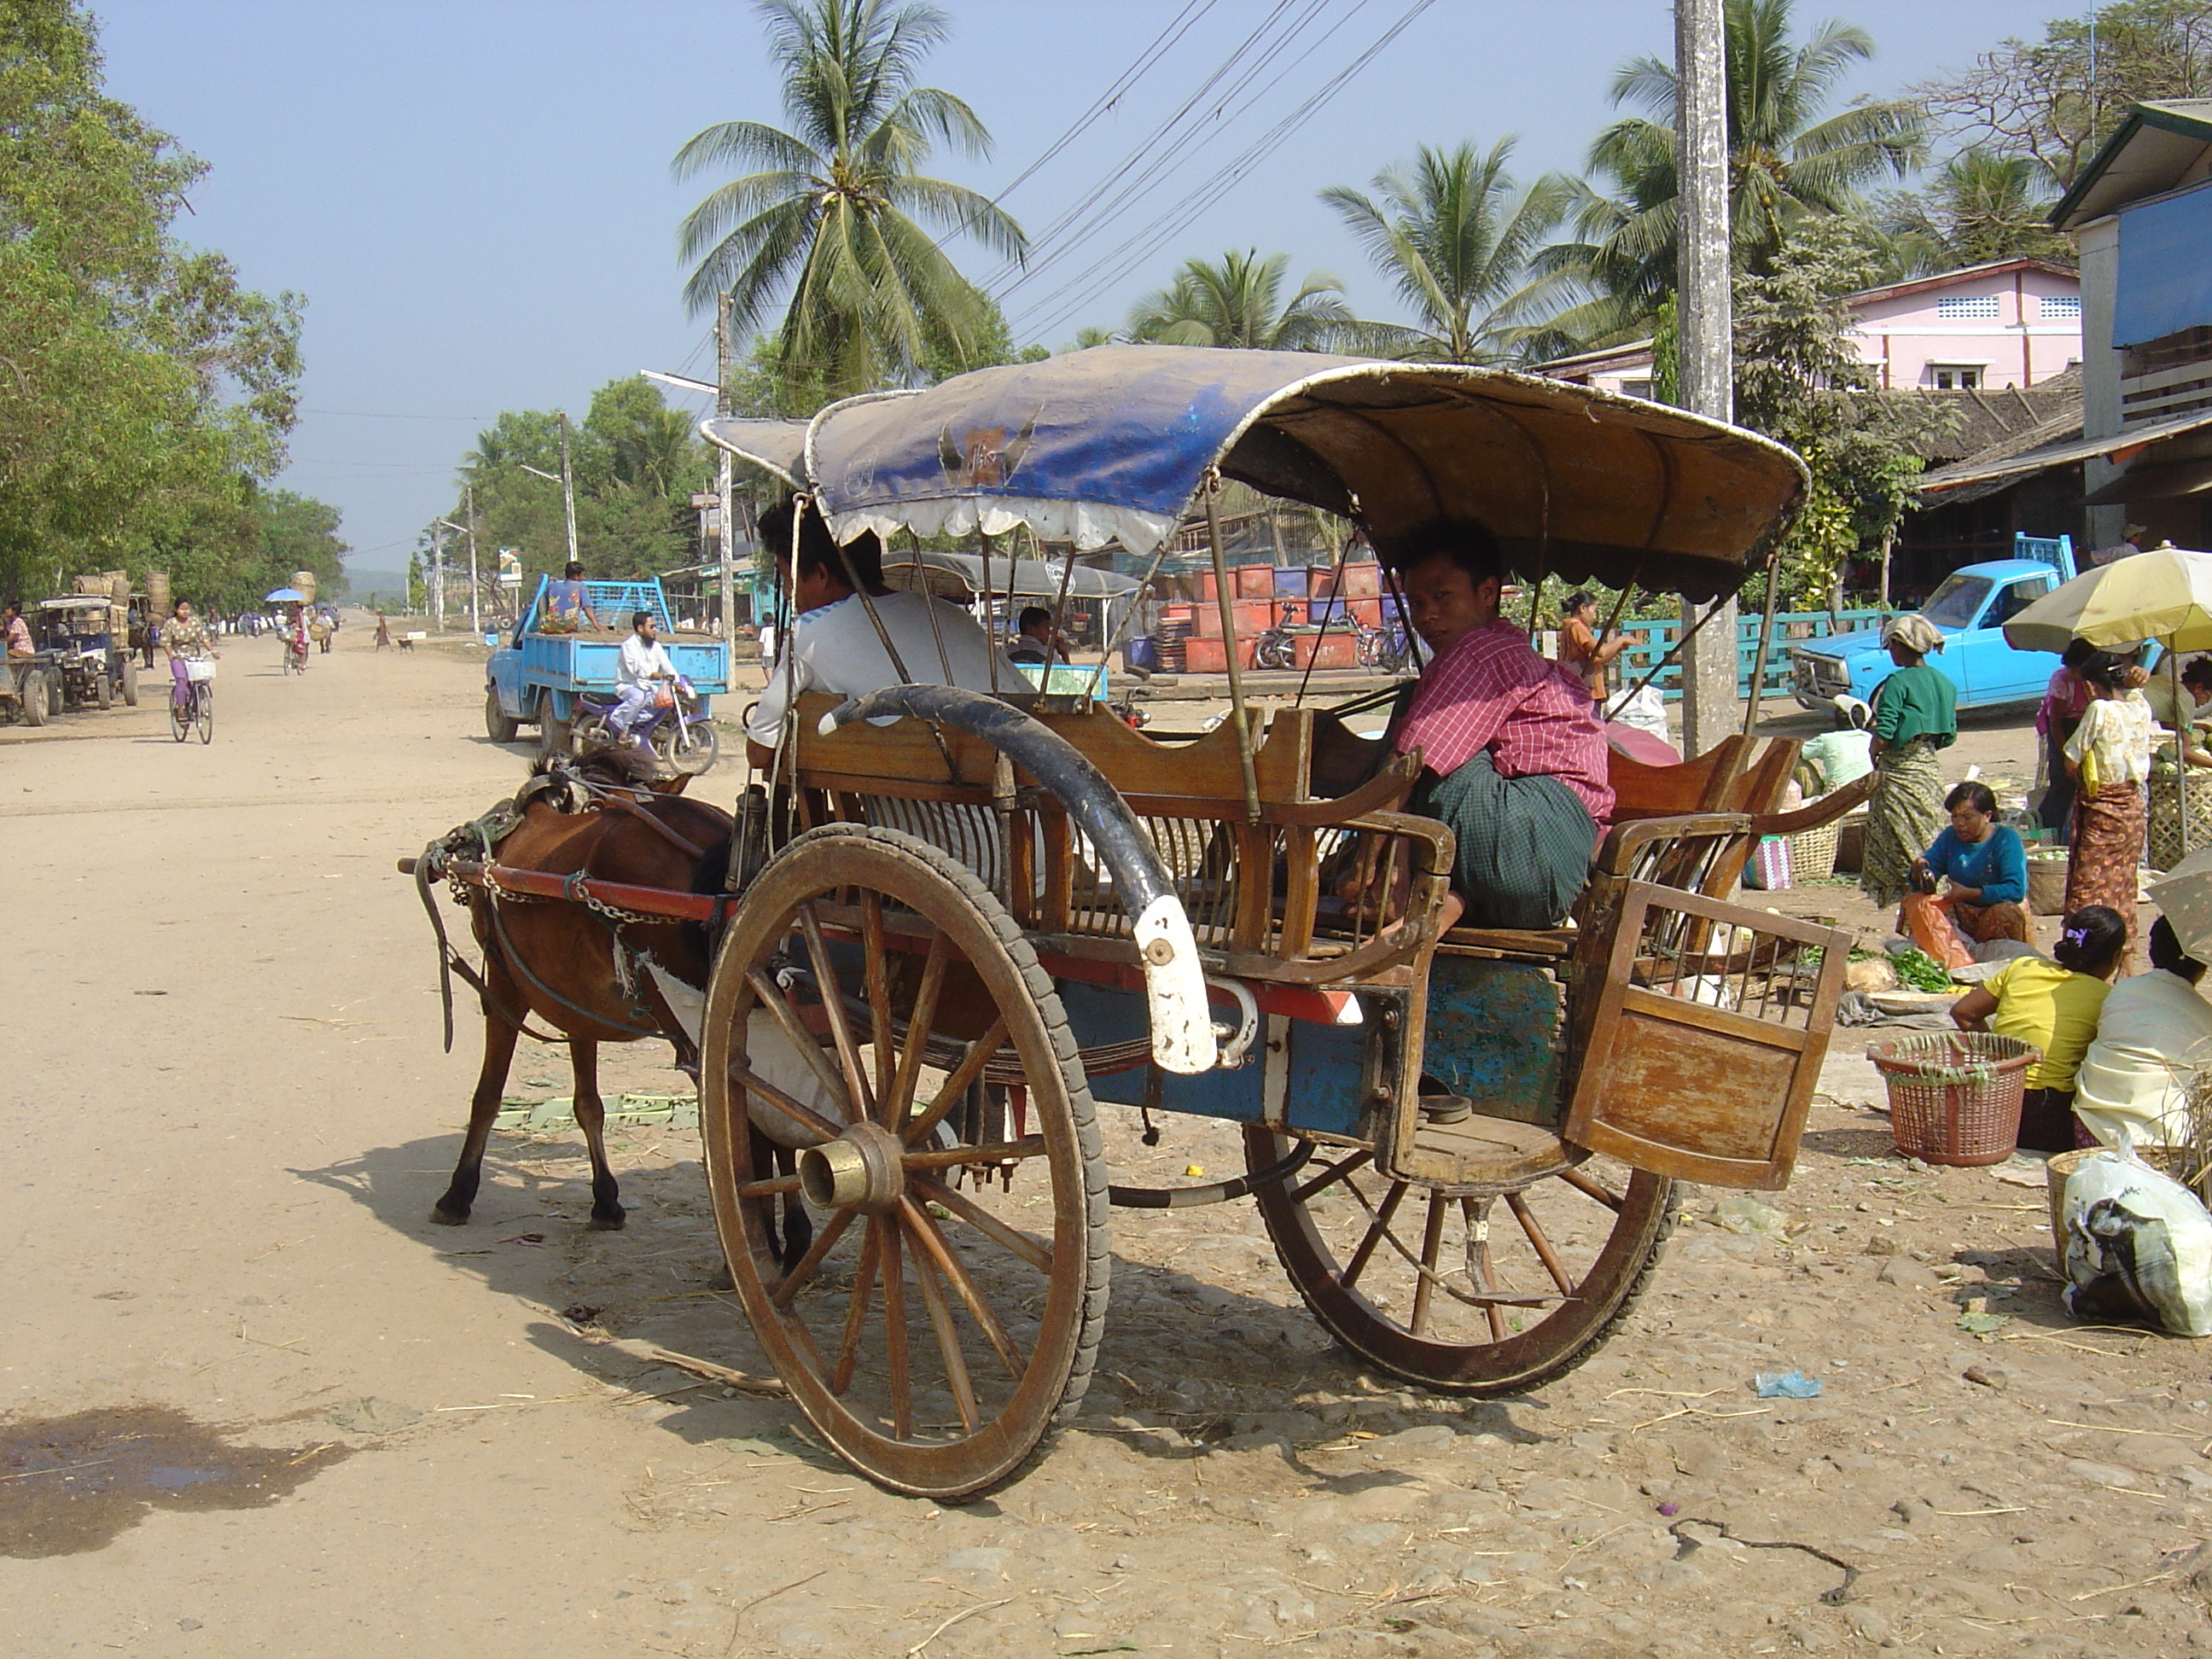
point(642, 672)
point(184, 639)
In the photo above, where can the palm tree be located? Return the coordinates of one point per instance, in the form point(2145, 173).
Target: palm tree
point(1785, 161)
point(834, 212)
point(1457, 236)
point(1239, 302)
point(1980, 207)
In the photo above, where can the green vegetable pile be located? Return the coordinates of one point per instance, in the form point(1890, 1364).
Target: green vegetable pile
point(1921, 971)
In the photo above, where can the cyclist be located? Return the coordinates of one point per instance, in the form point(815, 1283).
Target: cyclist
point(184, 639)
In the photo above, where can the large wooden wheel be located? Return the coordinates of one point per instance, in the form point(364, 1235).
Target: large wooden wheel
point(1466, 1293)
point(947, 1313)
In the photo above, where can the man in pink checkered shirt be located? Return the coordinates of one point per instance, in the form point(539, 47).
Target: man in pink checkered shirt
point(1514, 758)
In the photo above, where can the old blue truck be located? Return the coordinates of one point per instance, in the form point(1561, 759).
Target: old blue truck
point(1971, 607)
point(535, 679)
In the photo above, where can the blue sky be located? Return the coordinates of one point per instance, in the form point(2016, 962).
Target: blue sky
point(474, 195)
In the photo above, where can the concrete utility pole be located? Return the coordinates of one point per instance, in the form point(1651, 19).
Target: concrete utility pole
point(725, 472)
point(468, 496)
point(437, 574)
point(567, 488)
point(1705, 325)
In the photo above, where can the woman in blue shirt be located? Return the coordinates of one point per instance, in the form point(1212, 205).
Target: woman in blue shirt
point(1985, 868)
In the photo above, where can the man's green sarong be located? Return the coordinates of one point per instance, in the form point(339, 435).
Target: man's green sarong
point(1524, 843)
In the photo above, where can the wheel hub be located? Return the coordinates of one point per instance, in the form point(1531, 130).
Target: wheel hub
point(862, 1169)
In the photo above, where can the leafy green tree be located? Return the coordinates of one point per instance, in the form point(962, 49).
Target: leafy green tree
point(1789, 160)
point(1798, 379)
point(1982, 206)
point(1238, 301)
point(834, 211)
point(1456, 236)
point(143, 389)
point(2055, 101)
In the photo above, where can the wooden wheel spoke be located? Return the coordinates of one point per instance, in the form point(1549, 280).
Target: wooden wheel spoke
point(900, 1096)
point(1432, 1238)
point(1016, 1243)
point(1424, 1269)
point(768, 1186)
point(942, 1256)
point(948, 1342)
point(1328, 1177)
point(896, 1360)
point(806, 1117)
point(832, 1230)
point(833, 1006)
point(856, 1314)
point(1378, 1231)
point(998, 1151)
point(1542, 1245)
point(1593, 1187)
point(771, 997)
point(877, 979)
point(956, 1086)
point(1477, 1211)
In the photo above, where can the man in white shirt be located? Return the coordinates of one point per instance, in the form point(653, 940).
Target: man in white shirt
point(835, 647)
point(644, 661)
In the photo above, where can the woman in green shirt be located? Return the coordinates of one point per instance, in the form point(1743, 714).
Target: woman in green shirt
point(1915, 714)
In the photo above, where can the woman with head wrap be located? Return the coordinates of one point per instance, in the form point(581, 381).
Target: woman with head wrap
point(1915, 714)
point(2108, 756)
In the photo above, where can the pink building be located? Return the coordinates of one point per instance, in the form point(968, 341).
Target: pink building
point(2010, 323)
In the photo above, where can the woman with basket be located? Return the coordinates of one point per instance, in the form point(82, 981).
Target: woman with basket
point(1915, 714)
point(2055, 1005)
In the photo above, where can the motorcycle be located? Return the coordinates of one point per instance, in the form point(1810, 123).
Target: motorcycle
point(680, 732)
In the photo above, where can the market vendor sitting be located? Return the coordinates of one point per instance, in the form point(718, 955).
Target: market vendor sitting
point(1514, 758)
point(1985, 867)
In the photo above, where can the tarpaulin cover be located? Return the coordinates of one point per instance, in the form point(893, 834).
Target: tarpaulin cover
point(2165, 268)
point(1114, 443)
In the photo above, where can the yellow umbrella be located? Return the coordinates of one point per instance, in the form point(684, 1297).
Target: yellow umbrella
point(2163, 594)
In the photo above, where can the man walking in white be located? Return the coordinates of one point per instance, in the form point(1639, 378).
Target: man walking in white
point(644, 666)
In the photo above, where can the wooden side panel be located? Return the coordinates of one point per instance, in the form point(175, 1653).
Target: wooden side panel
point(1676, 1086)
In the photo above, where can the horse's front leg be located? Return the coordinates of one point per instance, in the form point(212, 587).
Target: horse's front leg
point(607, 1212)
point(453, 1210)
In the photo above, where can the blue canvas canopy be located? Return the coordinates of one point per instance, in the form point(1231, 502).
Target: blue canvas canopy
point(1113, 444)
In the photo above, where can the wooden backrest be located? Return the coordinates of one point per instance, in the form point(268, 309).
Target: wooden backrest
point(1702, 784)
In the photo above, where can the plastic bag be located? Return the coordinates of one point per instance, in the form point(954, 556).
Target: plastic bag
point(2137, 1246)
point(1646, 710)
point(1927, 924)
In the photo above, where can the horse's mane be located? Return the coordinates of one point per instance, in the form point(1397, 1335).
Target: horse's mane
point(619, 766)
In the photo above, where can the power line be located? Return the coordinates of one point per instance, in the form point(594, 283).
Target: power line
point(386, 415)
point(1179, 217)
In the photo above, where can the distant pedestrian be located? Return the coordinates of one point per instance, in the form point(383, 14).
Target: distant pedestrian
point(383, 632)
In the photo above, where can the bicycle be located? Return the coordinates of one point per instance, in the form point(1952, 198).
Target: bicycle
point(1387, 649)
point(295, 660)
point(198, 710)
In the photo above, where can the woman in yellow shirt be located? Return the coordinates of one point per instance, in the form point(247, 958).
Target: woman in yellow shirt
point(2055, 1005)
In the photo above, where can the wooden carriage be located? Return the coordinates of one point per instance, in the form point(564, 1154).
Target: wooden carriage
point(965, 919)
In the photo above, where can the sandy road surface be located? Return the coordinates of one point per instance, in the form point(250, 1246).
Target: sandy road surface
point(226, 1116)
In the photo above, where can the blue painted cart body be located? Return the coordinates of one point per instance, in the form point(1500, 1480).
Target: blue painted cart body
point(533, 670)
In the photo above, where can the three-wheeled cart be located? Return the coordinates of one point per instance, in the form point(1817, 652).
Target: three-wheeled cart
point(965, 918)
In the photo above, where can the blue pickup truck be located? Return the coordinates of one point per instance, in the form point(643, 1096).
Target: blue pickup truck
point(535, 679)
point(1972, 608)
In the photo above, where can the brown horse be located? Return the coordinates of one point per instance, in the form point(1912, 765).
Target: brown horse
point(592, 977)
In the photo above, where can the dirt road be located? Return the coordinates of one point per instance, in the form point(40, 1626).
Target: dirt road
point(251, 1402)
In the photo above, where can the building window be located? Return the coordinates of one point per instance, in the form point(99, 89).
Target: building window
point(2059, 308)
point(1956, 377)
point(1636, 389)
point(1967, 308)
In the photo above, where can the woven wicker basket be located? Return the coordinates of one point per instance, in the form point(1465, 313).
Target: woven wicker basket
point(1954, 1096)
point(1813, 852)
point(2046, 883)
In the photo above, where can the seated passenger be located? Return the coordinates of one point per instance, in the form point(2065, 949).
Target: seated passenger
point(566, 607)
point(1514, 758)
point(833, 646)
point(1985, 866)
point(2153, 1033)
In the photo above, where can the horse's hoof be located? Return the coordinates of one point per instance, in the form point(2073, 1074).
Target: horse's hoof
point(613, 1223)
point(442, 1216)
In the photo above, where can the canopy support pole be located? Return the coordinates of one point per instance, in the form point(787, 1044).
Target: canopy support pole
point(1238, 717)
point(1336, 598)
point(2184, 729)
point(1765, 636)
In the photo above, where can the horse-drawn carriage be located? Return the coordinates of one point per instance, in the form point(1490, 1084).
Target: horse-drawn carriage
point(956, 921)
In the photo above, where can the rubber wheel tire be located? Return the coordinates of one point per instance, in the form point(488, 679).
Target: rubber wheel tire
point(33, 696)
point(130, 684)
point(203, 714)
point(553, 737)
point(497, 726)
point(103, 690)
point(1501, 1360)
point(691, 749)
point(822, 886)
point(57, 693)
